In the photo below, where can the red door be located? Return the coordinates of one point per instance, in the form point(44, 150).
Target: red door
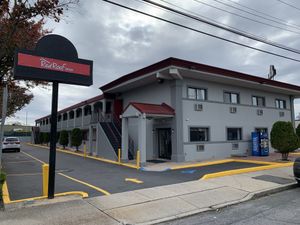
point(118, 107)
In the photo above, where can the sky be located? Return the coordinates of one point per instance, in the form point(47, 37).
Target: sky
point(120, 41)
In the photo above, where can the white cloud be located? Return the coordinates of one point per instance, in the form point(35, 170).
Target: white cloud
point(120, 41)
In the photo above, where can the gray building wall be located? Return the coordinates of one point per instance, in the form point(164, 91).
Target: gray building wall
point(217, 117)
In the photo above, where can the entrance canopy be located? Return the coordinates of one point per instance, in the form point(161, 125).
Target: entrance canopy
point(135, 109)
point(142, 111)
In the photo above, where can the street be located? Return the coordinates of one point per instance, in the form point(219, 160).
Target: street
point(278, 209)
point(74, 173)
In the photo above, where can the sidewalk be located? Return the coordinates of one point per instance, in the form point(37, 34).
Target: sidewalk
point(153, 205)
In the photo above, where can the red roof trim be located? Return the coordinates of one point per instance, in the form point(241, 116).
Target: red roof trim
point(88, 101)
point(199, 67)
point(148, 108)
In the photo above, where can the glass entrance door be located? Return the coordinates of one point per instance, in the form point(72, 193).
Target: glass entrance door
point(164, 143)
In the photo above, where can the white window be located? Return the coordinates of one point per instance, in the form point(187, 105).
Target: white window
point(199, 134)
point(280, 104)
point(258, 101)
point(230, 97)
point(234, 134)
point(196, 93)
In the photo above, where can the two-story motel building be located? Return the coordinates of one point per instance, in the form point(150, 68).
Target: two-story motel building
point(180, 111)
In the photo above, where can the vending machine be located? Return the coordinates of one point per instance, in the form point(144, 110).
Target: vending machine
point(260, 144)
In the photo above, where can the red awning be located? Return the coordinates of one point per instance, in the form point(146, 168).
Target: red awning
point(147, 108)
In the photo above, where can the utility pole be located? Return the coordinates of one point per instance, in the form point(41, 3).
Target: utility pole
point(4, 111)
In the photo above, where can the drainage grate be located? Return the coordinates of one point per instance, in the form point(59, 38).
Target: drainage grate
point(274, 179)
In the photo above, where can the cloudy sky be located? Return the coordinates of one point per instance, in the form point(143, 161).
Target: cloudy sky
point(120, 41)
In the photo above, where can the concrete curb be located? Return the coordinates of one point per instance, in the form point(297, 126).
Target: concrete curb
point(250, 196)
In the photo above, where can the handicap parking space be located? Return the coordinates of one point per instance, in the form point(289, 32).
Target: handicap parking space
point(75, 173)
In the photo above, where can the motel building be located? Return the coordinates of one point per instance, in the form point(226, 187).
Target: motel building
point(178, 110)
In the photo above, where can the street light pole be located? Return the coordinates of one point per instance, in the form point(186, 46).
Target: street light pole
point(4, 111)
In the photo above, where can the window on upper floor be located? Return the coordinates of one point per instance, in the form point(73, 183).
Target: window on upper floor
point(258, 101)
point(234, 134)
point(280, 104)
point(230, 97)
point(197, 93)
point(199, 134)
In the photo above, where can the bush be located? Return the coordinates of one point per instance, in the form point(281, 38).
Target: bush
point(64, 138)
point(283, 138)
point(57, 137)
point(298, 131)
point(41, 138)
point(46, 138)
point(76, 138)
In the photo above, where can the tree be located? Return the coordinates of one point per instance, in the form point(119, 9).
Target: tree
point(76, 138)
point(283, 138)
point(64, 138)
point(46, 138)
point(41, 138)
point(21, 26)
point(298, 131)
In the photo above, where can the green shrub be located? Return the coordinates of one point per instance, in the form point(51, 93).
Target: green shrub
point(76, 138)
point(283, 138)
point(64, 138)
point(46, 138)
point(41, 138)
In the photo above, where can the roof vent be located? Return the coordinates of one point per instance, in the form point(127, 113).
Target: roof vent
point(272, 72)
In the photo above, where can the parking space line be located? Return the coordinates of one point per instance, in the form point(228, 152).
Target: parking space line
point(23, 174)
point(23, 161)
point(86, 184)
point(33, 157)
point(88, 156)
point(134, 180)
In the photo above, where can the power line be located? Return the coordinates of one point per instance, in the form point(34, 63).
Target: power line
point(249, 35)
point(245, 17)
point(286, 3)
point(254, 14)
point(224, 28)
point(201, 32)
point(255, 10)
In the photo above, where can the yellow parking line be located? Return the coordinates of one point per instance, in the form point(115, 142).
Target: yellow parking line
point(134, 180)
point(88, 156)
point(5, 193)
point(83, 194)
point(202, 164)
point(245, 170)
point(33, 157)
point(255, 161)
point(21, 161)
point(86, 184)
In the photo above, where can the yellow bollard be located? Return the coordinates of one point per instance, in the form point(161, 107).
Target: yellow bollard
point(45, 179)
point(84, 150)
point(119, 155)
point(138, 159)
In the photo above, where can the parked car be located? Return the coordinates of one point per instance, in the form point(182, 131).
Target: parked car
point(11, 143)
point(297, 170)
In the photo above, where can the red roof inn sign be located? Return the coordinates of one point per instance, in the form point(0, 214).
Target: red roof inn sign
point(55, 59)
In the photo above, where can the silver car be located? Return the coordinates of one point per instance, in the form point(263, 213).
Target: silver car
point(11, 143)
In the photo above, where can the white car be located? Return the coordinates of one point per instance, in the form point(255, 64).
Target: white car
point(11, 143)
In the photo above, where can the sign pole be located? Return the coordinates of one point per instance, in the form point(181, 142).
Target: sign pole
point(53, 138)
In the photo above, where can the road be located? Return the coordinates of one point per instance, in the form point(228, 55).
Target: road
point(74, 173)
point(279, 209)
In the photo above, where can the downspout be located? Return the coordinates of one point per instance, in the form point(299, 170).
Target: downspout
point(292, 111)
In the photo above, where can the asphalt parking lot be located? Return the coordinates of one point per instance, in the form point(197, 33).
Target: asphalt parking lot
point(74, 173)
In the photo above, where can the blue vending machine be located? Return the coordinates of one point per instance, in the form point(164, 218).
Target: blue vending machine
point(264, 143)
point(260, 144)
point(255, 144)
